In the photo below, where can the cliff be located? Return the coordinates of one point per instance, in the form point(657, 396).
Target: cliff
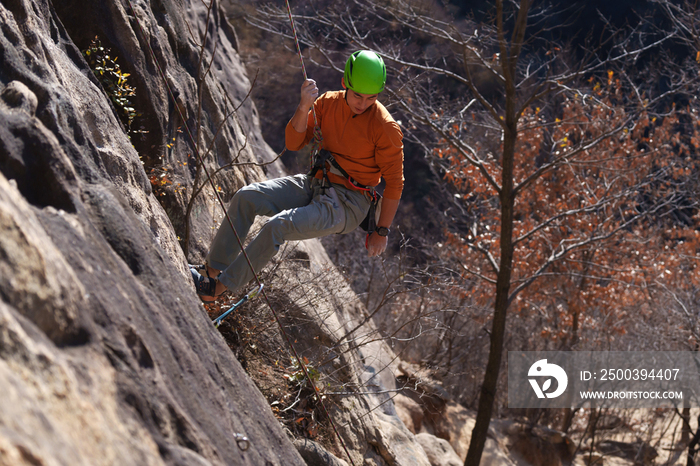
point(107, 356)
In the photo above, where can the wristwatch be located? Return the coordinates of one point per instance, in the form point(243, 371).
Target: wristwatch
point(382, 231)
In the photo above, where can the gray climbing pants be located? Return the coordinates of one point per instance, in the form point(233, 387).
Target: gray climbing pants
point(298, 210)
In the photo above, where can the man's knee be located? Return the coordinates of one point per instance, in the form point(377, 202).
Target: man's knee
point(278, 229)
point(247, 196)
point(247, 191)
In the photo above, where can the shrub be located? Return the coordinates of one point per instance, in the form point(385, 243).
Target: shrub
point(103, 64)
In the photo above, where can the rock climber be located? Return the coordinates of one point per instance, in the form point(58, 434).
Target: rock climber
point(365, 143)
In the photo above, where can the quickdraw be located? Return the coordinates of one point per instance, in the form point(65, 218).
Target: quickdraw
point(245, 298)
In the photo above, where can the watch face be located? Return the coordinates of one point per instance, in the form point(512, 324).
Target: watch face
point(383, 231)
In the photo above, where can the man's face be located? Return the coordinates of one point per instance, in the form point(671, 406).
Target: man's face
point(359, 102)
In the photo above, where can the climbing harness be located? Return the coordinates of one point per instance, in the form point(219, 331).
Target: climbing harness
point(325, 162)
point(245, 298)
point(242, 441)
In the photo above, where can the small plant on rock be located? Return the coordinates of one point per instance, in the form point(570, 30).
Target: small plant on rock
point(297, 376)
point(103, 64)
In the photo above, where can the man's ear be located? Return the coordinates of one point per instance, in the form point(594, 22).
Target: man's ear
point(342, 81)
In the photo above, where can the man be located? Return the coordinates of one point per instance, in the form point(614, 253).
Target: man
point(366, 143)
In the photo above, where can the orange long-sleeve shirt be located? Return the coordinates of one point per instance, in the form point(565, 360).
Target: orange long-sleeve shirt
point(368, 146)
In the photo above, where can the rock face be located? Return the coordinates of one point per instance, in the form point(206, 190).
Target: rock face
point(106, 354)
point(439, 450)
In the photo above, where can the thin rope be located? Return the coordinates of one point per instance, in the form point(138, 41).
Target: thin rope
point(318, 136)
point(300, 362)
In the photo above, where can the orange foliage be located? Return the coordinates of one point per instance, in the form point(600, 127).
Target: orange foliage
point(590, 234)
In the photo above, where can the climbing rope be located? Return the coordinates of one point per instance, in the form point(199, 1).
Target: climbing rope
point(318, 138)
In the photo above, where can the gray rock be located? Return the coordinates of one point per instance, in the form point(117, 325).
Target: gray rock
point(106, 354)
point(439, 451)
point(315, 455)
point(18, 96)
point(639, 452)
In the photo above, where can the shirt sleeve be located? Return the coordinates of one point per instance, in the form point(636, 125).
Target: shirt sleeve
point(389, 157)
point(295, 140)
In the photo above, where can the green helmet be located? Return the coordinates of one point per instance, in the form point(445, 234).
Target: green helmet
point(365, 72)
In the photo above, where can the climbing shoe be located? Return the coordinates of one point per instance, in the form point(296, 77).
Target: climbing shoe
point(201, 269)
point(205, 285)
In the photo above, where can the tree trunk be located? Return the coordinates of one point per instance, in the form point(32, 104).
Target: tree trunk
point(487, 395)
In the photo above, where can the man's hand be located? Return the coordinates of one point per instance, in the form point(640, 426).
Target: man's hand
point(309, 92)
point(376, 244)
